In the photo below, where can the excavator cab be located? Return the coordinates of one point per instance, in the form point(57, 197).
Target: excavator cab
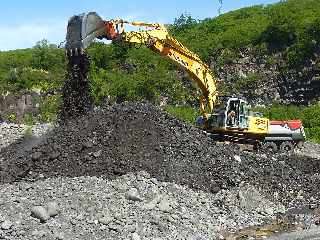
point(230, 113)
point(240, 109)
point(236, 114)
point(232, 119)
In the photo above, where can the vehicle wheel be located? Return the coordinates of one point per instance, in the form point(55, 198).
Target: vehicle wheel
point(286, 147)
point(270, 147)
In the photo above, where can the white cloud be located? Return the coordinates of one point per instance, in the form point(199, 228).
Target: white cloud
point(25, 35)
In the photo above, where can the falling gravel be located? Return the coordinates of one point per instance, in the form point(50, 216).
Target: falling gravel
point(76, 98)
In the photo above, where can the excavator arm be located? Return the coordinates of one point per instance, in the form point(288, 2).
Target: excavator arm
point(83, 29)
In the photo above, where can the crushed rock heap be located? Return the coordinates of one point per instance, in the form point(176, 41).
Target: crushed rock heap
point(133, 206)
point(132, 137)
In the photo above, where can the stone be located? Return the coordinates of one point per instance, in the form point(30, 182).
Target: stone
point(164, 206)
point(88, 144)
point(300, 195)
point(155, 220)
point(41, 213)
point(145, 175)
point(36, 155)
point(133, 195)
point(6, 225)
point(131, 228)
point(52, 209)
point(54, 155)
point(73, 222)
point(152, 204)
point(237, 158)
point(269, 210)
point(281, 209)
point(105, 220)
point(38, 234)
point(114, 227)
point(59, 236)
point(135, 236)
point(97, 154)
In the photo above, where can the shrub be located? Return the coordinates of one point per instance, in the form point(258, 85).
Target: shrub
point(11, 118)
point(48, 108)
point(29, 120)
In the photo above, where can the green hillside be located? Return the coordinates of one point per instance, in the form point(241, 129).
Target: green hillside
point(43, 67)
point(284, 26)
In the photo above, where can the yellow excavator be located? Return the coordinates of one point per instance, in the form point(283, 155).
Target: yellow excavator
point(224, 118)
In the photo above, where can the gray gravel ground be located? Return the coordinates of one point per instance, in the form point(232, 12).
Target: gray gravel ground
point(310, 149)
point(133, 206)
point(11, 133)
point(309, 234)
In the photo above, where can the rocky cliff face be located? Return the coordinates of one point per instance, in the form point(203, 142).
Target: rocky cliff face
point(265, 79)
point(17, 106)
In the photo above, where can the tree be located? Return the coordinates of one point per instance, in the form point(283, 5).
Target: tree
point(47, 56)
point(220, 7)
point(185, 20)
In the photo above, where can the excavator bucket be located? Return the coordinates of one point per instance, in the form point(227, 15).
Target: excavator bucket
point(82, 30)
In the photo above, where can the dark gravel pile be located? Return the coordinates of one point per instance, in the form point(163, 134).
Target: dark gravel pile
point(124, 138)
point(132, 137)
point(291, 179)
point(76, 90)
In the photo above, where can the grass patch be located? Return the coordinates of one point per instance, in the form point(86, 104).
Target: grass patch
point(185, 113)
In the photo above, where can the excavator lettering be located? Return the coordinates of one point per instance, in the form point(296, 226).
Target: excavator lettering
point(225, 118)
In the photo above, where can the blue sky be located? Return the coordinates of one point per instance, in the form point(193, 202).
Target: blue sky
point(23, 23)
